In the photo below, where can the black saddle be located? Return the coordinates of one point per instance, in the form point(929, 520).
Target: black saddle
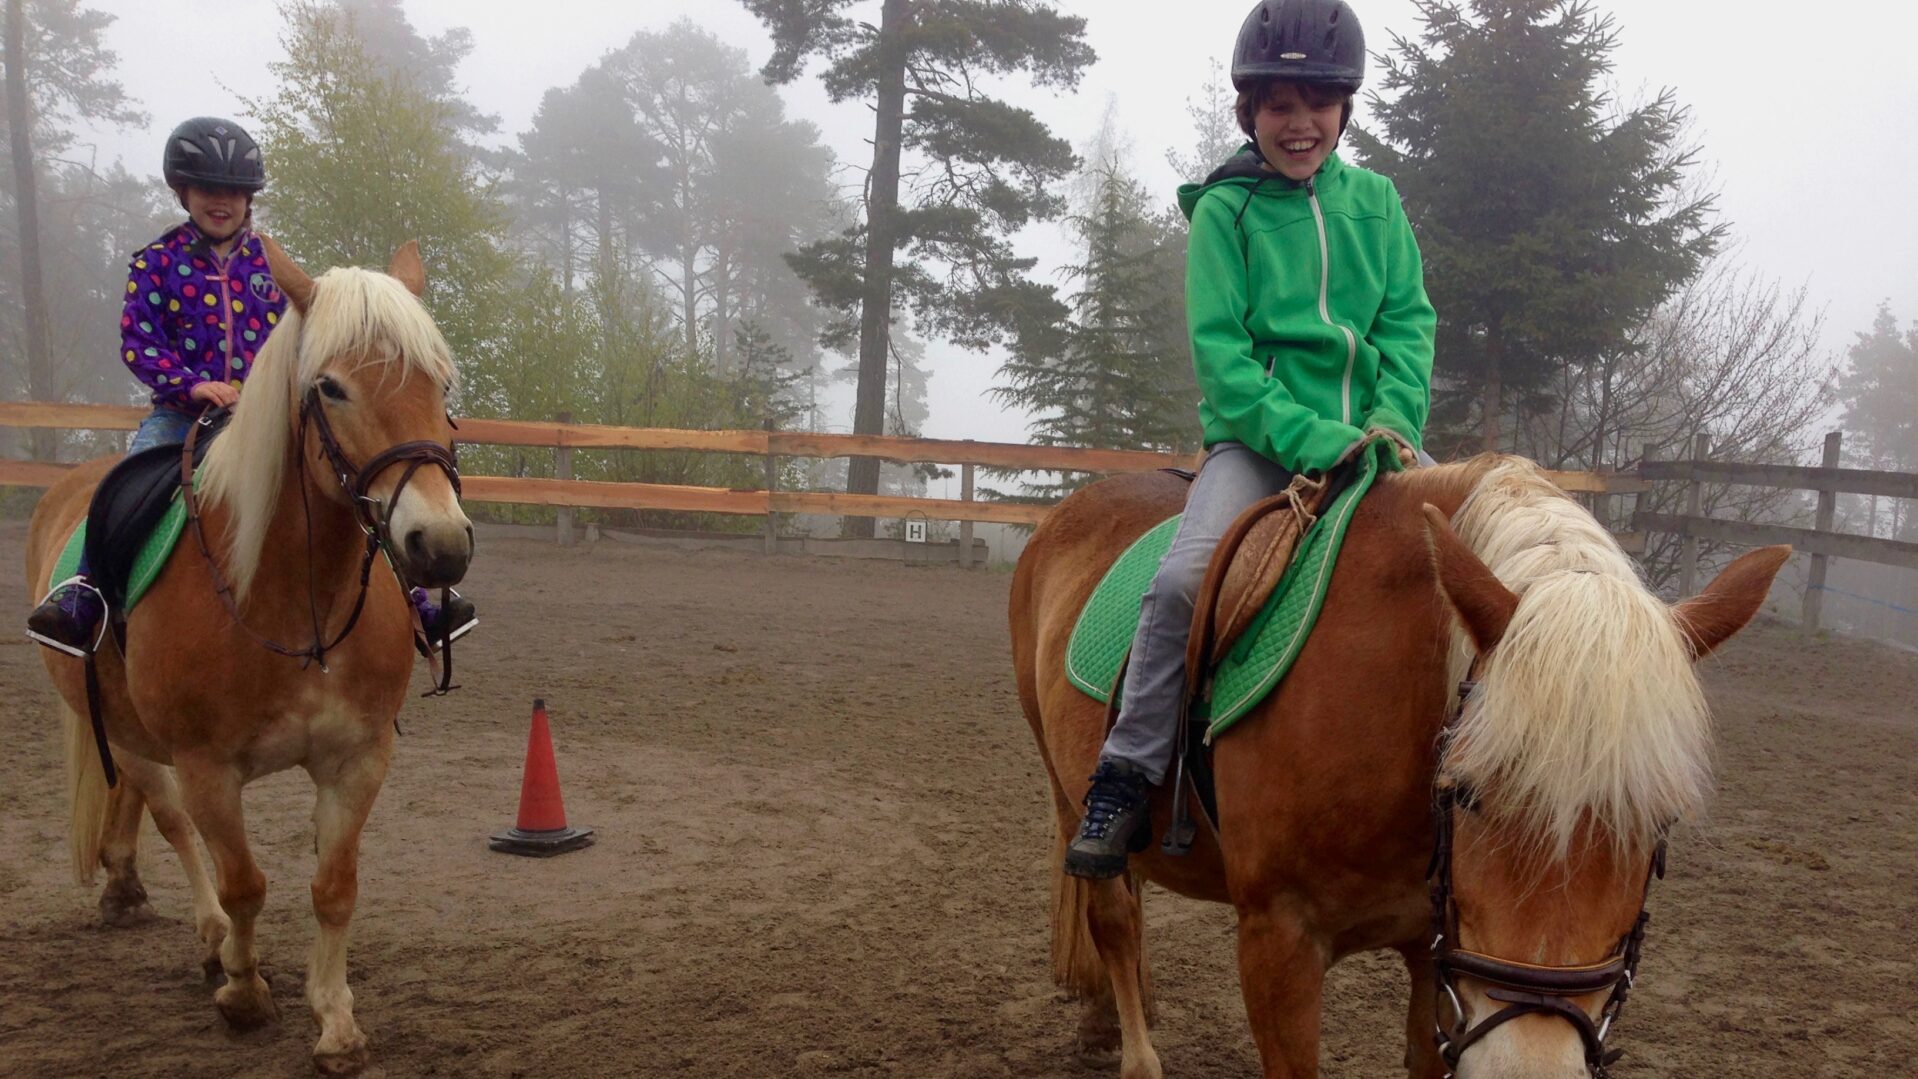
point(129, 504)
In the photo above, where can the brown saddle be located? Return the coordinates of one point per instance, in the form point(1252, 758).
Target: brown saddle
point(1251, 558)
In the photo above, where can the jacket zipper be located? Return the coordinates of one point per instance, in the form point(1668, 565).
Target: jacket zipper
point(1325, 312)
point(226, 307)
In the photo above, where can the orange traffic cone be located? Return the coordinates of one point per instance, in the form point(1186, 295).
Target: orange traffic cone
point(541, 830)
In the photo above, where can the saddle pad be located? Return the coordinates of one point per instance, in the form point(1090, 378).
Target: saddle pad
point(1263, 655)
point(146, 565)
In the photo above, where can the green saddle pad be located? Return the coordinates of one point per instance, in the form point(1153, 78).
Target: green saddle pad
point(146, 566)
point(1260, 658)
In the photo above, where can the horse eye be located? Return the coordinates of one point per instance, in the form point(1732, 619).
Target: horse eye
point(332, 389)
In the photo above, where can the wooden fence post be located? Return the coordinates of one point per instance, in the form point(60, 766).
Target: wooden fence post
point(1827, 511)
point(772, 483)
point(1688, 543)
point(563, 470)
point(965, 527)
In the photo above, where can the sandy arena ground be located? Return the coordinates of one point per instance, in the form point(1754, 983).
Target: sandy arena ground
point(822, 850)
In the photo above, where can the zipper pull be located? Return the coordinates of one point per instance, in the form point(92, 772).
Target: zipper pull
point(1311, 186)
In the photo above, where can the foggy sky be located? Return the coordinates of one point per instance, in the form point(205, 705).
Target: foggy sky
point(1806, 113)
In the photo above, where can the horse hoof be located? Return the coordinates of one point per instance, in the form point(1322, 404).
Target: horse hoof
point(350, 1061)
point(246, 1004)
point(119, 913)
point(1098, 1033)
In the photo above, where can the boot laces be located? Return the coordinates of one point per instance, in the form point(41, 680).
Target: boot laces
point(1111, 796)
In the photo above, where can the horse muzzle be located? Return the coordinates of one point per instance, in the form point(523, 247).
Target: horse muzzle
point(436, 553)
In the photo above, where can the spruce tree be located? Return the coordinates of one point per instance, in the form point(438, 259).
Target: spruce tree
point(976, 169)
point(1123, 379)
point(1552, 219)
point(1880, 393)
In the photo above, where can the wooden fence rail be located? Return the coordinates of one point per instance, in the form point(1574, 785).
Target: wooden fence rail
point(1820, 541)
point(567, 493)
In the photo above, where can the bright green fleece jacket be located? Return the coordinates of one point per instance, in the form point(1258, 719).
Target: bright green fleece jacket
point(1307, 310)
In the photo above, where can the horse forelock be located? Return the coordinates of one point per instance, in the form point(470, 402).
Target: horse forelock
point(1587, 712)
point(354, 313)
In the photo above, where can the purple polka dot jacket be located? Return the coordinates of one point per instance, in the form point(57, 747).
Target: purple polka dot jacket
point(193, 317)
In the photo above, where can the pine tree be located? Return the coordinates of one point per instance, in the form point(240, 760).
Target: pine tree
point(57, 71)
point(981, 170)
point(1552, 221)
point(1122, 381)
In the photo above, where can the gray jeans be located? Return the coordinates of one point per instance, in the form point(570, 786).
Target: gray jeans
point(1145, 733)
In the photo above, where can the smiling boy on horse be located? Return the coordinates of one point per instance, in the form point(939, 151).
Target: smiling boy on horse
point(1310, 326)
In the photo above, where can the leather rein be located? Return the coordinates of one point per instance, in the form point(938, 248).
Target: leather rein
point(1524, 988)
point(373, 516)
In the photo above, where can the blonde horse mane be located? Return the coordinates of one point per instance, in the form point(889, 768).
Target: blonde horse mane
point(1587, 711)
point(354, 312)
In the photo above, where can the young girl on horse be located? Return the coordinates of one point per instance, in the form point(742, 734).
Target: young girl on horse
point(1306, 306)
point(200, 303)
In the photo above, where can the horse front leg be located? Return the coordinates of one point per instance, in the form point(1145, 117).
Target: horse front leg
point(345, 791)
point(210, 790)
point(1282, 976)
point(1421, 1048)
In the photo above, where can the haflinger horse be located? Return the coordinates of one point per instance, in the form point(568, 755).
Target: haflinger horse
point(320, 467)
point(1501, 836)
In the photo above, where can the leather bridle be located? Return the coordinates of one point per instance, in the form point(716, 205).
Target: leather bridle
point(373, 515)
point(1524, 988)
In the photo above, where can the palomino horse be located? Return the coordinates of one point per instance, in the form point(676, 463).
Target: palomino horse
point(1584, 737)
point(323, 456)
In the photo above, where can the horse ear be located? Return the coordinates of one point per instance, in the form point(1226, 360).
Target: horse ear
point(406, 266)
point(287, 275)
point(1482, 601)
point(1710, 618)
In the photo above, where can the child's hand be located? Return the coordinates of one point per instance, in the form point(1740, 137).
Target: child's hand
point(1407, 458)
point(216, 393)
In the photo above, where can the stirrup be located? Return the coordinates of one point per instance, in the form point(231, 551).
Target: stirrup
point(100, 633)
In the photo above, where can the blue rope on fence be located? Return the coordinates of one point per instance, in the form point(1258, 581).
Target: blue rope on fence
point(1862, 599)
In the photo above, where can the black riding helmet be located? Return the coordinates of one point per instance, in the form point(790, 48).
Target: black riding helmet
point(1315, 41)
point(212, 152)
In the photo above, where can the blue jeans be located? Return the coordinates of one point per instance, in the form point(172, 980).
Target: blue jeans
point(1146, 731)
point(163, 426)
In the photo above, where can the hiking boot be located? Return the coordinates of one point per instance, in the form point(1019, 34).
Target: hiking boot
point(68, 620)
point(444, 623)
point(1117, 821)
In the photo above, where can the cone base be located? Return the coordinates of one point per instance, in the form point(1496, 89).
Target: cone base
point(541, 844)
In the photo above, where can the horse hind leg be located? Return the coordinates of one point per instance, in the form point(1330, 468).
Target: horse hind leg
point(170, 818)
point(1115, 918)
point(344, 797)
point(123, 902)
point(1098, 953)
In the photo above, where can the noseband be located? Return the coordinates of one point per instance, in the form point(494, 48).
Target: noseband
point(1524, 988)
point(374, 516)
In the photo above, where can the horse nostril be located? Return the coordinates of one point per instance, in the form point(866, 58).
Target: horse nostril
point(416, 545)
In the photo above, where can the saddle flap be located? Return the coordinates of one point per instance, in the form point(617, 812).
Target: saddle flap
point(127, 506)
point(1246, 569)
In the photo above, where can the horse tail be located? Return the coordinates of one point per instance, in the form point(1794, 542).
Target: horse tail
point(1076, 966)
point(87, 791)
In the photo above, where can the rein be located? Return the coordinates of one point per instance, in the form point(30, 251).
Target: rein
point(1524, 988)
point(372, 515)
